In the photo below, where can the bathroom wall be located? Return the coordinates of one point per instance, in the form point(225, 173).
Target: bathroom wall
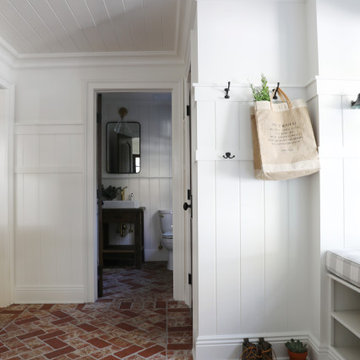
point(51, 242)
point(152, 186)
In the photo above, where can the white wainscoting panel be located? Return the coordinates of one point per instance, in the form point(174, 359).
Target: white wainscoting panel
point(253, 236)
point(49, 190)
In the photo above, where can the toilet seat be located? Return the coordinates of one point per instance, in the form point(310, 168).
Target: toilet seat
point(167, 235)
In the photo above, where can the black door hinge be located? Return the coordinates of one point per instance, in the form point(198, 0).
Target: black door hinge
point(189, 279)
point(188, 110)
point(189, 194)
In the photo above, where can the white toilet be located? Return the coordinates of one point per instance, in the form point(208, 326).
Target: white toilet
point(166, 225)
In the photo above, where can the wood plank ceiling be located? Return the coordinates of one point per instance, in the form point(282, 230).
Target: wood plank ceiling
point(33, 27)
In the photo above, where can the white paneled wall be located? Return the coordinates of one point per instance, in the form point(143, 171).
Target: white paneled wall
point(49, 185)
point(153, 185)
point(51, 127)
point(253, 235)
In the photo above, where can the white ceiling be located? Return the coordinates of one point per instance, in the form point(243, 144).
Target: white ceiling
point(37, 27)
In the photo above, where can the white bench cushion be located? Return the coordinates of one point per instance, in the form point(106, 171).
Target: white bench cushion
point(345, 264)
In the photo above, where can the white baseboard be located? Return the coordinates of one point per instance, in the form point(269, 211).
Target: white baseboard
point(156, 255)
point(49, 294)
point(228, 347)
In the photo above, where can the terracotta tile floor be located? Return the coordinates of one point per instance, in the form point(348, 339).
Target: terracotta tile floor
point(136, 319)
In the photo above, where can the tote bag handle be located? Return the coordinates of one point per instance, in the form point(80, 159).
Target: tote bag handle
point(283, 96)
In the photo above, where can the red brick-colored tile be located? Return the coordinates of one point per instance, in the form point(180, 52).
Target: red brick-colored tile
point(128, 351)
point(11, 312)
point(160, 304)
point(31, 334)
point(126, 327)
point(129, 313)
point(27, 320)
point(56, 353)
point(55, 343)
point(59, 314)
point(3, 349)
point(125, 305)
point(98, 343)
point(110, 357)
point(179, 346)
point(63, 320)
point(87, 327)
point(151, 351)
point(46, 306)
point(180, 328)
point(51, 334)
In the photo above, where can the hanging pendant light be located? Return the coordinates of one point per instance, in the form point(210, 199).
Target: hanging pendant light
point(122, 112)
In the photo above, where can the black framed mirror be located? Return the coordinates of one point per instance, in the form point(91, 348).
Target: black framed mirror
point(123, 147)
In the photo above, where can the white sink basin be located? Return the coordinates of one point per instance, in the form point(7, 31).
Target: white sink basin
point(120, 204)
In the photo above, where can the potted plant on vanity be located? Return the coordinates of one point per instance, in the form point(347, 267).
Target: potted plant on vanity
point(296, 350)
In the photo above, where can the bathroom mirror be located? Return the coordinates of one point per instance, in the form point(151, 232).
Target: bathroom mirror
point(123, 147)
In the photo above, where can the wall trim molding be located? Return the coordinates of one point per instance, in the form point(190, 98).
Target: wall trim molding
point(228, 346)
point(240, 92)
point(49, 294)
point(49, 170)
point(49, 129)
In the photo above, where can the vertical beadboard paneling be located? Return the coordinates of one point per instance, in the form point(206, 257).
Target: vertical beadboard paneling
point(47, 243)
point(298, 248)
point(165, 142)
point(261, 228)
point(332, 203)
point(207, 292)
point(153, 213)
point(49, 200)
point(154, 145)
point(276, 255)
point(351, 202)
point(228, 246)
point(252, 250)
point(27, 244)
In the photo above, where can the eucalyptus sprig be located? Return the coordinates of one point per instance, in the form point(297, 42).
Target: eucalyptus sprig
point(261, 93)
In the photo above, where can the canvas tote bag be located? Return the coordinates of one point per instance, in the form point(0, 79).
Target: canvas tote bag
point(283, 140)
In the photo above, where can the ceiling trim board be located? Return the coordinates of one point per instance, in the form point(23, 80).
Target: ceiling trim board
point(178, 56)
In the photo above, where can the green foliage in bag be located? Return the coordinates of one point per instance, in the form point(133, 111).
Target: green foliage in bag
point(261, 93)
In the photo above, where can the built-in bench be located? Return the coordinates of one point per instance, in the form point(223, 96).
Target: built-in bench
point(344, 275)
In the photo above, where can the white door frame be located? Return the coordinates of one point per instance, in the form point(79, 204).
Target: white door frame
point(90, 223)
point(7, 262)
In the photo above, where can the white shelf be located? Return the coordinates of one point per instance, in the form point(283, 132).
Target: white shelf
point(350, 319)
point(348, 353)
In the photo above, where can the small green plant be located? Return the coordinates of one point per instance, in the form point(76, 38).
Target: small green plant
point(261, 93)
point(296, 346)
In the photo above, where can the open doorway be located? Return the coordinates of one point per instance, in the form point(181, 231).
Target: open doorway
point(134, 182)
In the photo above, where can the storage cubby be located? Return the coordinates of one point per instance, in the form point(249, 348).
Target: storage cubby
point(345, 318)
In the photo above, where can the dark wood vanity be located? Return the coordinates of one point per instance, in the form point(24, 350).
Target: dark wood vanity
point(134, 216)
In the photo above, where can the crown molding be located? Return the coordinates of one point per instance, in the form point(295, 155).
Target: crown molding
point(97, 60)
point(174, 57)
